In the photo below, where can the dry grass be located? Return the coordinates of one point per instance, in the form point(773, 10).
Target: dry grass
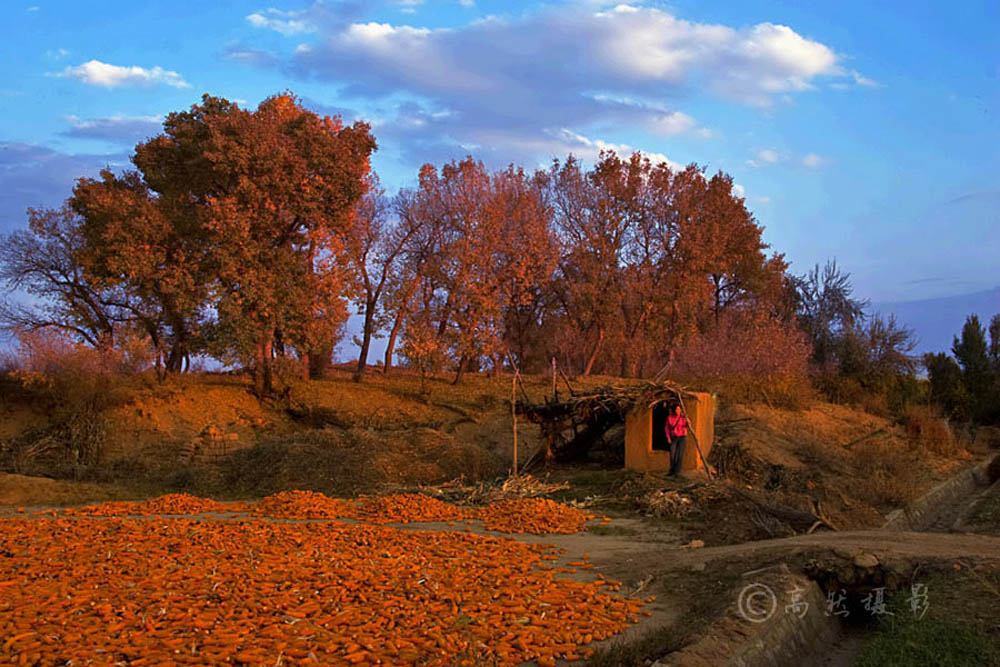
point(889, 474)
point(928, 430)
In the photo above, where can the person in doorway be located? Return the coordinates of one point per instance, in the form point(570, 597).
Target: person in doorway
point(677, 430)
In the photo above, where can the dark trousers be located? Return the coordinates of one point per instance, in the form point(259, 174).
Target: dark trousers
point(677, 453)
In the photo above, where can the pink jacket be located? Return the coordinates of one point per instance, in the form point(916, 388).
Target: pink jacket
point(677, 426)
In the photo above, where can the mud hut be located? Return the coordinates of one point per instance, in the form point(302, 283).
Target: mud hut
point(646, 446)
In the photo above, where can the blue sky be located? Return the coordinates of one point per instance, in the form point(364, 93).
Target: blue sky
point(863, 131)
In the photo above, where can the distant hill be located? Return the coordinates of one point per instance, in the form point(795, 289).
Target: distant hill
point(937, 321)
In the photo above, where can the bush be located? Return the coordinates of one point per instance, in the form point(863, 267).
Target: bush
point(888, 473)
point(749, 357)
point(75, 385)
point(928, 430)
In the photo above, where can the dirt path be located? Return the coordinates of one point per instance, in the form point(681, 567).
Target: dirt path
point(899, 544)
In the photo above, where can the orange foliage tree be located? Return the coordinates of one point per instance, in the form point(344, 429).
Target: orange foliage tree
point(491, 248)
point(650, 256)
point(246, 211)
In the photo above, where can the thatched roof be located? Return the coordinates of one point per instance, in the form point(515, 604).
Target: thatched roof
point(617, 399)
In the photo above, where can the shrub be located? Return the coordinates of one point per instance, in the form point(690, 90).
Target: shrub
point(888, 473)
point(749, 357)
point(928, 430)
point(75, 385)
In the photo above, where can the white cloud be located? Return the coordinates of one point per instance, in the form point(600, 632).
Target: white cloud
point(739, 190)
point(33, 8)
point(120, 129)
point(762, 200)
point(672, 123)
point(863, 80)
point(627, 47)
point(813, 161)
point(763, 157)
point(285, 22)
point(588, 67)
point(249, 56)
point(96, 73)
point(566, 141)
point(467, 3)
point(767, 155)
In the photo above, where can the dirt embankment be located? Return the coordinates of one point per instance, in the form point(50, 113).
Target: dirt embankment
point(839, 465)
point(208, 434)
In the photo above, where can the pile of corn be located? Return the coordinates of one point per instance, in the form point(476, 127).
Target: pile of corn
point(407, 508)
point(172, 503)
point(533, 515)
point(182, 591)
point(302, 505)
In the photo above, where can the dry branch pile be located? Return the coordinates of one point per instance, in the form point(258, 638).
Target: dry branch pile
point(589, 415)
point(523, 486)
point(666, 503)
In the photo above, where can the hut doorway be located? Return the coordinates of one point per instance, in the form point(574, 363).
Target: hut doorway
point(659, 440)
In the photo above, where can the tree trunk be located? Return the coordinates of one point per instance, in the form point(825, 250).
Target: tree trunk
point(319, 359)
point(390, 345)
point(175, 359)
point(279, 343)
point(593, 355)
point(462, 363)
point(366, 339)
point(397, 323)
point(263, 382)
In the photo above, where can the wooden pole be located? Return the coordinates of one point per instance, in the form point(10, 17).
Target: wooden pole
point(513, 414)
point(555, 393)
point(694, 436)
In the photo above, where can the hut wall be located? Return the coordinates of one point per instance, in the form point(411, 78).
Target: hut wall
point(639, 452)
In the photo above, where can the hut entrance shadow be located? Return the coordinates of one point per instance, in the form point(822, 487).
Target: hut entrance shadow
point(659, 439)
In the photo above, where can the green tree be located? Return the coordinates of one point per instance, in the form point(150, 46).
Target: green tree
point(972, 353)
point(827, 310)
point(947, 386)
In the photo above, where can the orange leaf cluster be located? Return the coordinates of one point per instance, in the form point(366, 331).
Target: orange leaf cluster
point(533, 515)
point(255, 592)
point(407, 508)
point(302, 505)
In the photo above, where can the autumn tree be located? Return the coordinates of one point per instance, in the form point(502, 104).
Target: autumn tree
point(272, 191)
point(136, 242)
point(588, 280)
point(411, 276)
point(650, 256)
point(491, 247)
point(43, 263)
point(377, 244)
